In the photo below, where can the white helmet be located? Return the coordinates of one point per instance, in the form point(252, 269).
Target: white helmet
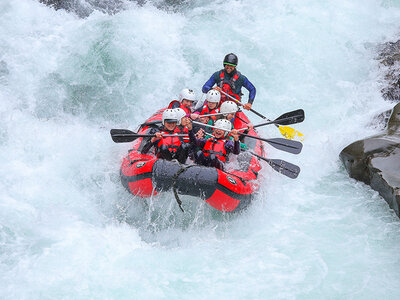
point(180, 113)
point(213, 96)
point(224, 124)
point(169, 115)
point(187, 94)
point(228, 107)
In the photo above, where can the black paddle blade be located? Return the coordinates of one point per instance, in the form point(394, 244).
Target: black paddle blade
point(292, 117)
point(284, 167)
point(123, 135)
point(121, 131)
point(281, 166)
point(290, 146)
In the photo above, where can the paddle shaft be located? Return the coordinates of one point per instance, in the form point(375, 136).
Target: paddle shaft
point(217, 114)
point(241, 104)
point(283, 129)
point(290, 146)
point(146, 135)
point(206, 125)
point(268, 123)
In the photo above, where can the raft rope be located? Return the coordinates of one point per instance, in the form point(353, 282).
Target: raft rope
point(181, 170)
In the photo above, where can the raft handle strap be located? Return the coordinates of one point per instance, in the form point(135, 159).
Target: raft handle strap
point(181, 170)
point(136, 160)
point(243, 180)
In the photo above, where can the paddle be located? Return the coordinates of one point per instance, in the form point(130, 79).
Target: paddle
point(290, 146)
point(125, 135)
point(288, 169)
point(288, 132)
point(216, 114)
point(292, 117)
point(293, 147)
point(240, 104)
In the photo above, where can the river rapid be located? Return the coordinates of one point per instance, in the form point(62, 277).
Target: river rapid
point(69, 230)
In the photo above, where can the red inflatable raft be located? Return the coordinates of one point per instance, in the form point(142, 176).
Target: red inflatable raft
point(231, 190)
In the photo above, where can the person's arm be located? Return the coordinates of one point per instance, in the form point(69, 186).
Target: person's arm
point(151, 142)
point(236, 144)
point(192, 138)
point(209, 84)
point(146, 148)
point(251, 88)
point(195, 141)
point(236, 147)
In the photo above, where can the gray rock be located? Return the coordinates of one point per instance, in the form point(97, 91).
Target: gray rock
point(376, 161)
point(389, 56)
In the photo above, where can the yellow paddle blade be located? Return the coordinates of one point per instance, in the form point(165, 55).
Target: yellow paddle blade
point(290, 133)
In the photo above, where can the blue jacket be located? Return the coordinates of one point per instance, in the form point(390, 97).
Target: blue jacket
point(241, 82)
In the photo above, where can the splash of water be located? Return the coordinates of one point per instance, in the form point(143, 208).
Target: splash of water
point(69, 230)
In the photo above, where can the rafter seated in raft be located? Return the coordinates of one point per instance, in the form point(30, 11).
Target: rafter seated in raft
point(169, 147)
point(214, 151)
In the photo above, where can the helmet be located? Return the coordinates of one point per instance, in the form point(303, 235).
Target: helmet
point(223, 124)
point(187, 94)
point(231, 59)
point(213, 96)
point(228, 107)
point(169, 115)
point(180, 113)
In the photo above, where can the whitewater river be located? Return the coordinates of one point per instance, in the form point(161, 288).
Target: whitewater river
point(69, 230)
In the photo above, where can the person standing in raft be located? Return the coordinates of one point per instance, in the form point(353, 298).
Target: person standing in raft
point(215, 150)
point(169, 148)
point(231, 81)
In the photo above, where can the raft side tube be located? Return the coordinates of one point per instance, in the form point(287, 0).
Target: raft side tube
point(192, 180)
point(223, 191)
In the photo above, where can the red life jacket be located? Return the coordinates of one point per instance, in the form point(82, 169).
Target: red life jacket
point(184, 130)
point(174, 104)
point(228, 86)
point(171, 142)
point(217, 147)
point(186, 109)
point(206, 110)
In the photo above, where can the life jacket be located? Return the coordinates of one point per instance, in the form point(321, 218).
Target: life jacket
point(174, 104)
point(217, 147)
point(228, 86)
point(186, 109)
point(184, 130)
point(206, 110)
point(171, 142)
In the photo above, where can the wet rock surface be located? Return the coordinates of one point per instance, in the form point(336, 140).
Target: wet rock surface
point(376, 161)
point(389, 56)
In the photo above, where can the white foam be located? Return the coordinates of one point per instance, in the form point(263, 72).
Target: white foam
point(68, 229)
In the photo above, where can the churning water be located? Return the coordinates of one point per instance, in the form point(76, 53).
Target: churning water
point(68, 229)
